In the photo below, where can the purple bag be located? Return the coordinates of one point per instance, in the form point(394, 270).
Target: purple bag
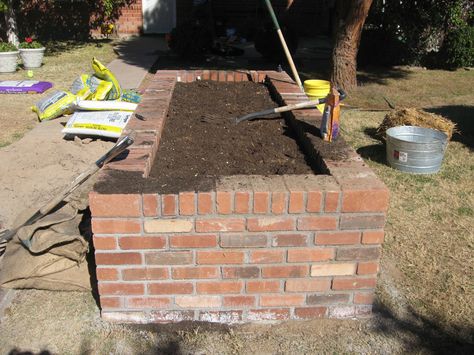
point(24, 86)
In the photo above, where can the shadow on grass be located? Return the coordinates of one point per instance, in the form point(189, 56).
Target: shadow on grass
point(380, 75)
point(463, 116)
point(426, 334)
point(55, 48)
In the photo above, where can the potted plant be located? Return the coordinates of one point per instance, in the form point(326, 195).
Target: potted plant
point(8, 57)
point(31, 53)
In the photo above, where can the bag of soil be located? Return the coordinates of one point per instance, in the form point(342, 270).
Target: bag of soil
point(98, 123)
point(54, 105)
point(101, 72)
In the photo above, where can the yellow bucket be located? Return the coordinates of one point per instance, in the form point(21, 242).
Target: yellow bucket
point(317, 89)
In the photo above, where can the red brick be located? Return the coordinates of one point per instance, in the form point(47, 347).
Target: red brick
point(289, 240)
point(368, 268)
point(198, 301)
point(170, 288)
point(193, 241)
point(239, 301)
point(115, 205)
point(121, 289)
point(220, 225)
point(268, 314)
point(310, 254)
point(317, 223)
point(329, 298)
point(118, 258)
point(205, 205)
point(353, 283)
point(337, 238)
point(242, 202)
point(310, 312)
point(110, 302)
point(169, 258)
point(186, 203)
point(222, 76)
point(365, 201)
point(267, 256)
point(206, 75)
point(331, 203)
point(230, 76)
point(278, 202)
point(219, 287)
point(112, 226)
point(156, 242)
point(296, 204)
point(168, 203)
point(224, 202)
point(195, 272)
point(285, 271)
point(261, 202)
point(307, 285)
point(107, 274)
point(373, 237)
point(366, 253)
point(145, 274)
point(242, 241)
point(263, 286)
point(270, 224)
point(281, 300)
point(219, 257)
point(240, 272)
point(148, 302)
point(105, 243)
point(362, 221)
point(313, 203)
point(214, 75)
point(150, 205)
point(364, 297)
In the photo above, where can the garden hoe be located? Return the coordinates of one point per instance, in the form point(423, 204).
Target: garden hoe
point(118, 148)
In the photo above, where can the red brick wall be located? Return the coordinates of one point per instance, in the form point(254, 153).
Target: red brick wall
point(131, 19)
point(255, 249)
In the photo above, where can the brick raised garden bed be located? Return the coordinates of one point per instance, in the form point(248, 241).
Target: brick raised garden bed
point(251, 248)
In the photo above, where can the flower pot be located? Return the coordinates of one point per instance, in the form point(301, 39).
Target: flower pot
point(32, 57)
point(8, 62)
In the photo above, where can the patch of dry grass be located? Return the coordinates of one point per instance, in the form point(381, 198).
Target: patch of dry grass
point(60, 68)
point(428, 253)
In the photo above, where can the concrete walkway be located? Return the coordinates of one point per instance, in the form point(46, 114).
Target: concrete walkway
point(136, 57)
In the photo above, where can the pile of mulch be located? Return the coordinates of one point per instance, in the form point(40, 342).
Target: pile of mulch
point(416, 117)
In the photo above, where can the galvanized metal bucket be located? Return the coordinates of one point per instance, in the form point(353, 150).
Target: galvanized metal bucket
point(416, 150)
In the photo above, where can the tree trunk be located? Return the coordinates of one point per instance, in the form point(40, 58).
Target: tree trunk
point(11, 26)
point(350, 19)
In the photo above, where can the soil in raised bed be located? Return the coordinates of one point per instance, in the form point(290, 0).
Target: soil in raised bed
point(200, 141)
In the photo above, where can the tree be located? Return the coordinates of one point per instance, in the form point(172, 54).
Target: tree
point(350, 18)
point(10, 21)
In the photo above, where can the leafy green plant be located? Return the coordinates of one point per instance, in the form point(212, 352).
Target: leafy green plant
point(458, 48)
point(30, 43)
point(7, 47)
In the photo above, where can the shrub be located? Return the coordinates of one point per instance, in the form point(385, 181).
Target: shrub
point(191, 39)
point(7, 47)
point(458, 48)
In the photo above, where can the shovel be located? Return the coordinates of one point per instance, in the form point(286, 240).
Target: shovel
point(118, 148)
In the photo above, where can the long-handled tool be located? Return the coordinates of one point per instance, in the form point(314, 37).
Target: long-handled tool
point(283, 43)
point(118, 148)
point(304, 104)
